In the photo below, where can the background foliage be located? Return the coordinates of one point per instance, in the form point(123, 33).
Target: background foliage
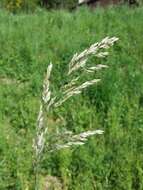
point(30, 5)
point(18, 5)
point(28, 43)
point(60, 3)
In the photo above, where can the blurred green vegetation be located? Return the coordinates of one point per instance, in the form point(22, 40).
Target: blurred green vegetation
point(17, 6)
point(59, 3)
point(28, 43)
point(31, 5)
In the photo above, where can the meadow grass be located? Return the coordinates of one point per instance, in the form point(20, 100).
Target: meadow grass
point(27, 44)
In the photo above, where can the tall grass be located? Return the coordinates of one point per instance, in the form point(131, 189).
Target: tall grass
point(28, 43)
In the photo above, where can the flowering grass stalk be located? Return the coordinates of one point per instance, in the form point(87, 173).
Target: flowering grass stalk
point(67, 139)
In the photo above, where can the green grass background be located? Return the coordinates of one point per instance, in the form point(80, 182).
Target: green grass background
point(28, 43)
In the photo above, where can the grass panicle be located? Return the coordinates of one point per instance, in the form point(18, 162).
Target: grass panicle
point(69, 90)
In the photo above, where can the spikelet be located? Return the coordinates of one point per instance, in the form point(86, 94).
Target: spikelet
point(41, 130)
point(77, 140)
point(79, 60)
